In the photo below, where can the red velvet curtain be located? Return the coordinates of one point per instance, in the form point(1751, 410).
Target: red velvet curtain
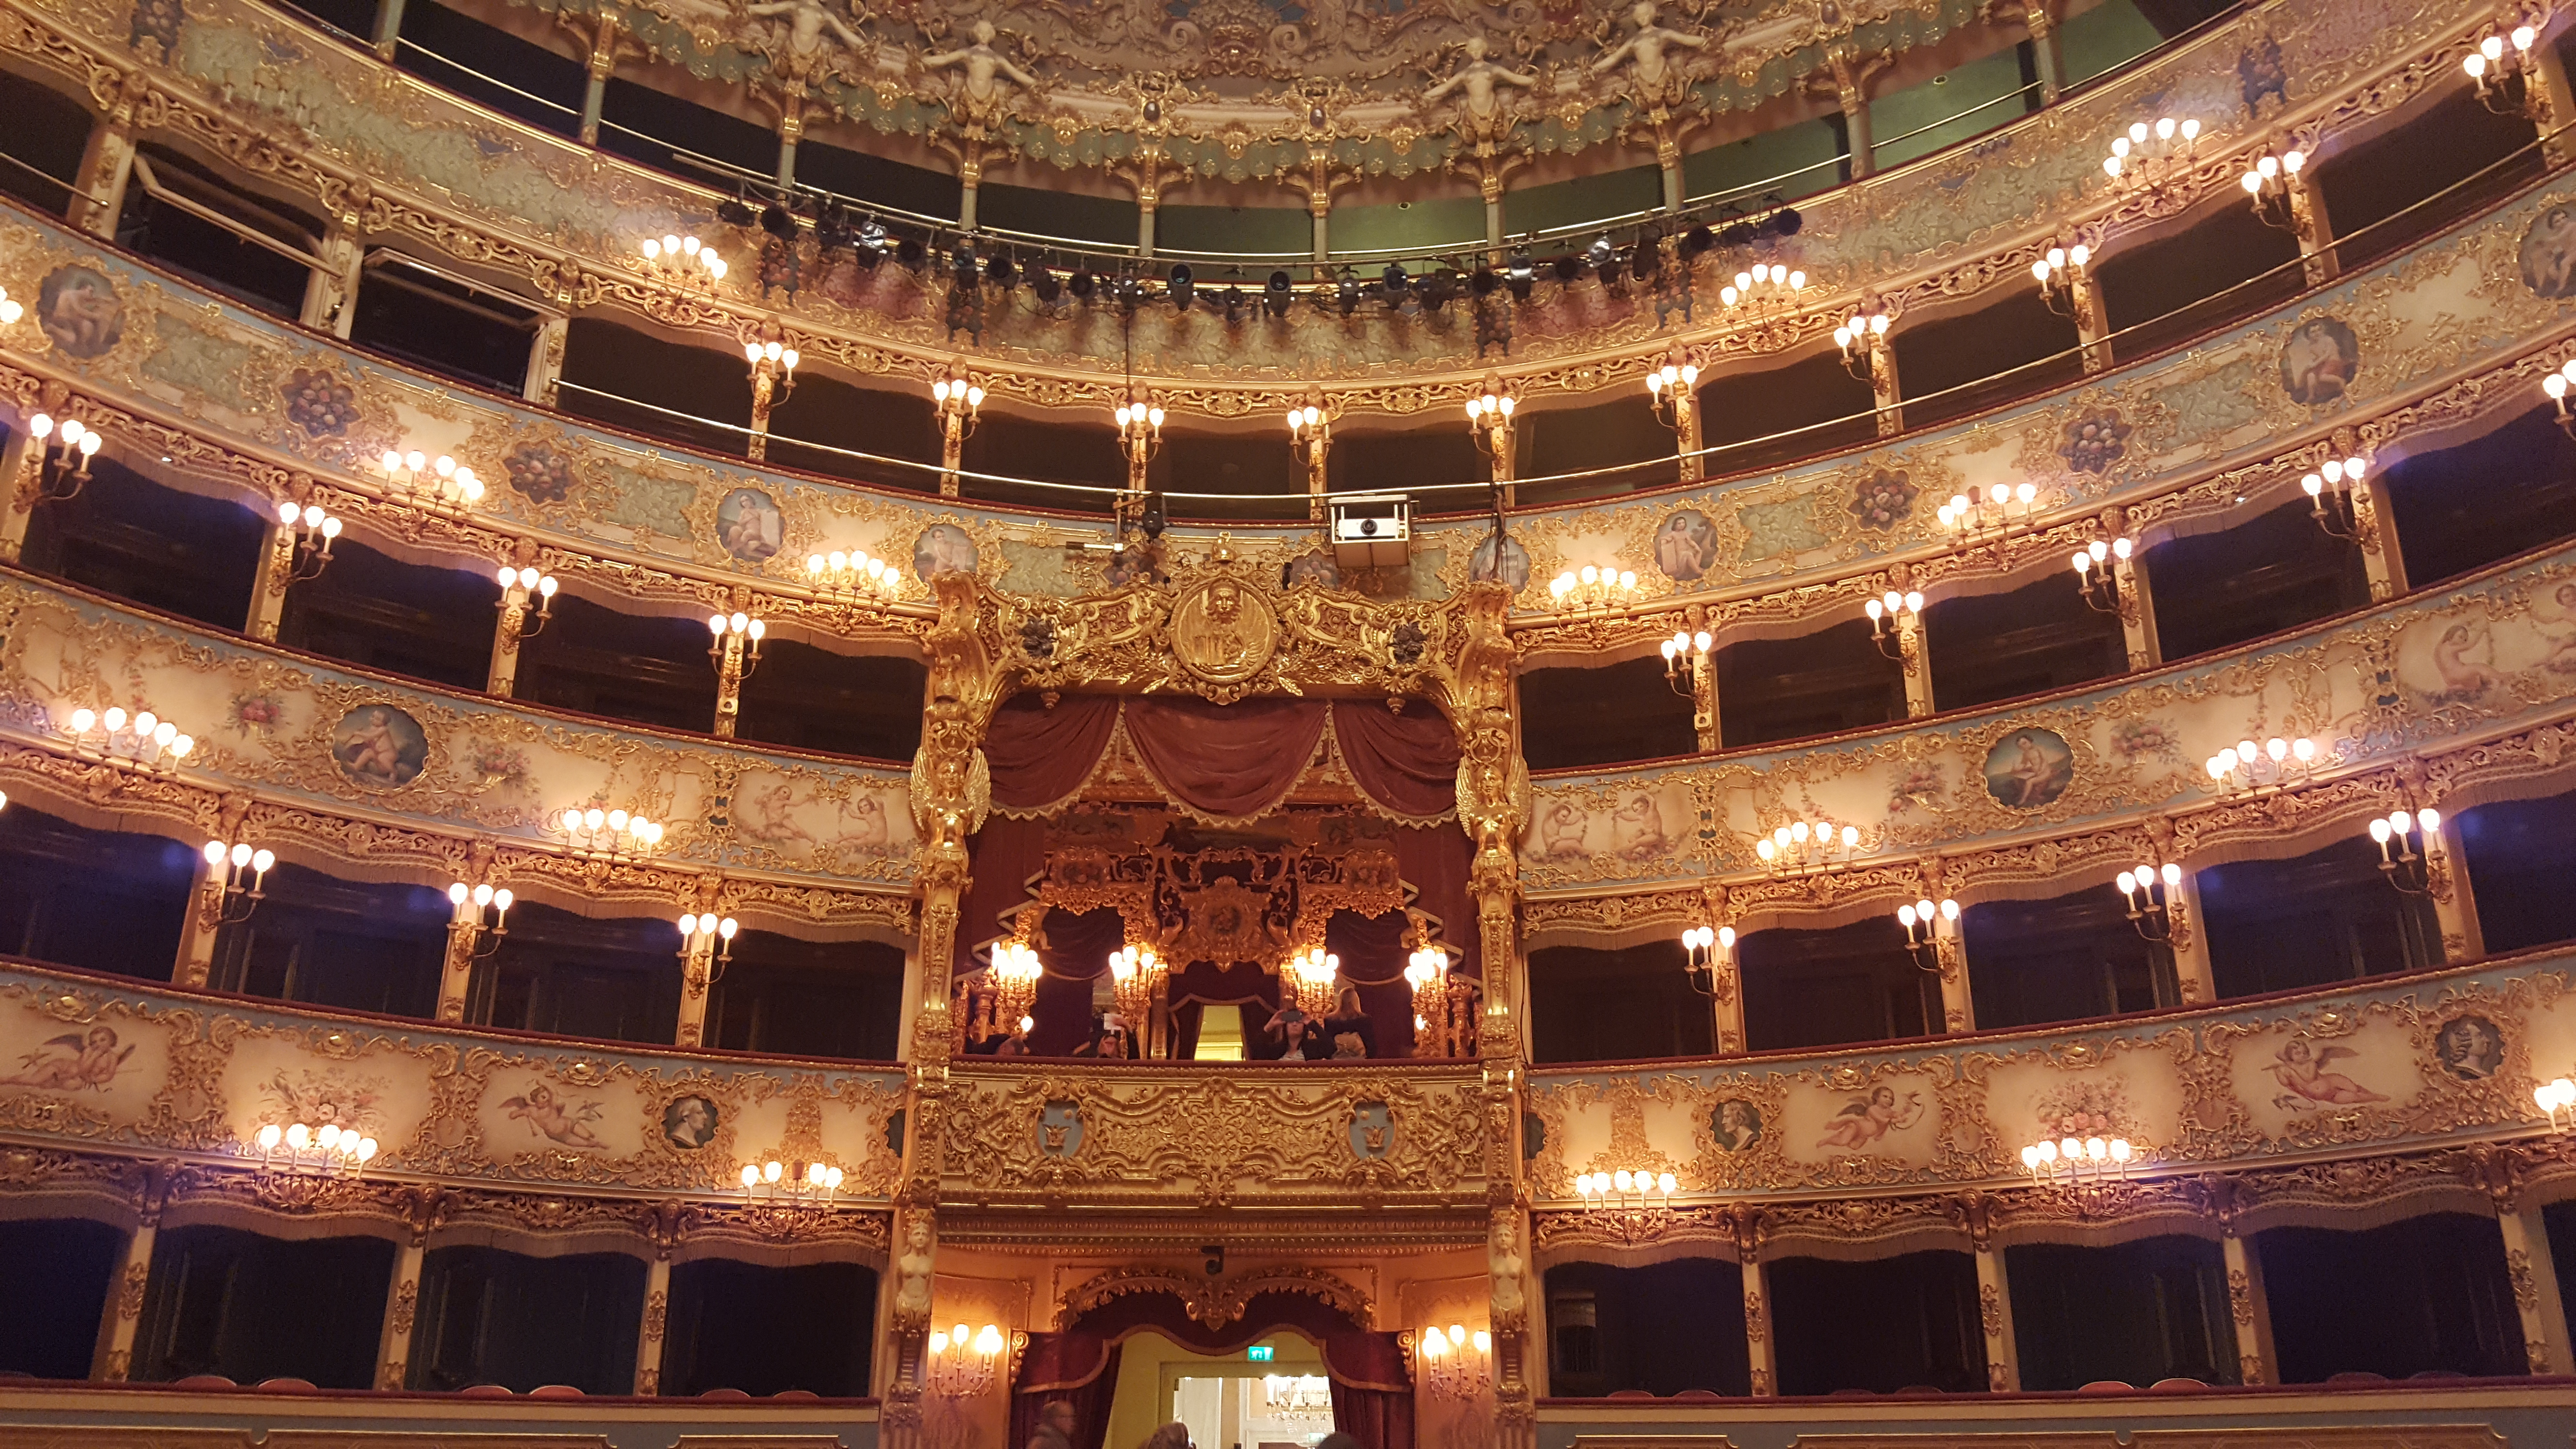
point(1372, 1388)
point(1407, 762)
point(1373, 958)
point(1435, 859)
point(1005, 856)
point(1074, 949)
point(1078, 1367)
point(1235, 761)
point(1040, 756)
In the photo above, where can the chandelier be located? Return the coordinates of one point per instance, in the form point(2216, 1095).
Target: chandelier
point(301, 1148)
point(2149, 890)
point(141, 741)
point(1592, 587)
point(2151, 158)
point(806, 1185)
point(1799, 848)
point(1893, 618)
point(1980, 514)
point(2060, 275)
point(608, 834)
point(470, 920)
point(683, 261)
point(1863, 338)
point(1312, 971)
point(1139, 976)
point(963, 1367)
point(439, 482)
point(2274, 764)
point(1016, 970)
point(2274, 182)
point(2556, 385)
point(1455, 1364)
point(2501, 66)
point(2084, 1171)
point(2555, 1096)
point(853, 572)
point(1930, 932)
point(2097, 573)
point(2331, 497)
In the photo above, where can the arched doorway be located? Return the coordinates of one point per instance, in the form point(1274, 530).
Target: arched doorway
point(1368, 1382)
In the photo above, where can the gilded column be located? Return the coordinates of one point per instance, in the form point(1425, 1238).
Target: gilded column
point(657, 1319)
point(1726, 978)
point(1704, 725)
point(952, 792)
point(603, 63)
point(1994, 1301)
point(2189, 941)
point(2534, 1271)
point(2553, 103)
point(2137, 603)
point(545, 361)
point(424, 1208)
point(1912, 651)
point(698, 963)
point(389, 15)
point(2383, 562)
point(331, 289)
point(276, 574)
point(2248, 1311)
point(1849, 72)
point(464, 935)
point(20, 475)
point(113, 1360)
point(2446, 876)
point(1746, 1221)
point(107, 161)
point(1949, 954)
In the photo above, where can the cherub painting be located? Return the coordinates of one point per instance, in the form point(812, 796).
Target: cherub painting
point(2465, 655)
point(1560, 831)
point(1860, 1125)
point(2300, 1068)
point(566, 1124)
point(73, 1062)
point(1637, 829)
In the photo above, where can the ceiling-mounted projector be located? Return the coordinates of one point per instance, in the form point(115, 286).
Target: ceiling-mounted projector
point(1372, 531)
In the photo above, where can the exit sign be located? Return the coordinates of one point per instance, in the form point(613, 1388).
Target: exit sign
point(1258, 1353)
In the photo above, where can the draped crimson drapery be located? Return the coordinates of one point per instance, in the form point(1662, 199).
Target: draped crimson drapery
point(1230, 762)
point(1372, 1389)
point(1077, 1367)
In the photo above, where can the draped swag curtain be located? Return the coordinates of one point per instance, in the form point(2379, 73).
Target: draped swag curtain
point(1372, 1387)
point(1227, 764)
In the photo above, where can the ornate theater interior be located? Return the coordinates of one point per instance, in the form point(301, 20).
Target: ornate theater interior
point(1499, 724)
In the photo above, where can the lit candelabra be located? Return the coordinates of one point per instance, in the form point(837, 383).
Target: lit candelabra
point(1313, 972)
point(706, 947)
point(60, 455)
point(734, 644)
point(2412, 872)
point(479, 911)
point(2501, 65)
point(682, 261)
point(2276, 183)
point(10, 309)
point(1672, 391)
point(299, 1147)
point(773, 377)
point(1489, 422)
point(2272, 765)
point(963, 1367)
point(1016, 970)
point(1893, 620)
point(2150, 892)
point(958, 401)
point(1628, 1206)
point(853, 573)
point(1592, 587)
point(2556, 1096)
point(1771, 288)
point(518, 587)
point(312, 531)
point(1140, 434)
point(1863, 340)
point(1800, 848)
point(2097, 569)
point(608, 834)
point(238, 875)
point(802, 1185)
point(1454, 1363)
point(1705, 950)
point(1685, 657)
point(1931, 932)
point(440, 482)
point(1138, 976)
point(2086, 1171)
point(1980, 514)
point(142, 740)
point(2150, 158)
point(2336, 499)
point(2556, 385)
point(1310, 441)
point(2062, 276)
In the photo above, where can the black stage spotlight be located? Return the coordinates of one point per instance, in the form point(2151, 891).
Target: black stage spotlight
point(1083, 284)
point(1275, 295)
point(1001, 271)
point(1784, 222)
point(1738, 234)
point(732, 212)
point(1129, 292)
point(1697, 240)
point(964, 261)
point(1484, 281)
point(1049, 287)
point(1393, 279)
point(1348, 294)
point(775, 221)
point(1601, 252)
point(1438, 288)
point(1234, 304)
point(911, 253)
point(1567, 267)
point(1153, 520)
point(872, 234)
point(1180, 286)
point(1521, 274)
point(1646, 258)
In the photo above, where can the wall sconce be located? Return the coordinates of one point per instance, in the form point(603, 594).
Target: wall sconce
point(516, 586)
point(1489, 419)
point(682, 261)
point(446, 483)
point(2085, 1171)
point(297, 1147)
point(963, 1367)
point(2151, 158)
point(1976, 516)
point(2556, 385)
point(1626, 1189)
point(1310, 440)
point(2272, 182)
point(959, 402)
point(1685, 657)
point(2555, 1096)
point(1928, 929)
point(607, 833)
point(1862, 338)
point(1592, 587)
point(1016, 969)
point(2501, 66)
point(1140, 434)
point(10, 310)
point(805, 1185)
point(2097, 566)
point(1893, 618)
point(2275, 764)
point(1455, 1364)
point(773, 368)
point(142, 741)
point(1314, 971)
point(61, 455)
point(1764, 288)
point(241, 874)
point(2331, 499)
point(735, 647)
point(471, 903)
point(706, 946)
point(312, 530)
point(2059, 274)
point(1672, 391)
point(1799, 848)
point(853, 572)
point(2411, 873)
point(2149, 890)
point(1704, 949)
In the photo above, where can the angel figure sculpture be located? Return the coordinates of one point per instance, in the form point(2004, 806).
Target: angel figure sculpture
point(806, 22)
point(1658, 76)
point(986, 69)
point(1481, 115)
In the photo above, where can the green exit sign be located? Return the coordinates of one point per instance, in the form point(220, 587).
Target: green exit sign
point(1258, 1353)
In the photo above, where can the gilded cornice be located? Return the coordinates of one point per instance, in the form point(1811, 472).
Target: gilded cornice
point(313, 126)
